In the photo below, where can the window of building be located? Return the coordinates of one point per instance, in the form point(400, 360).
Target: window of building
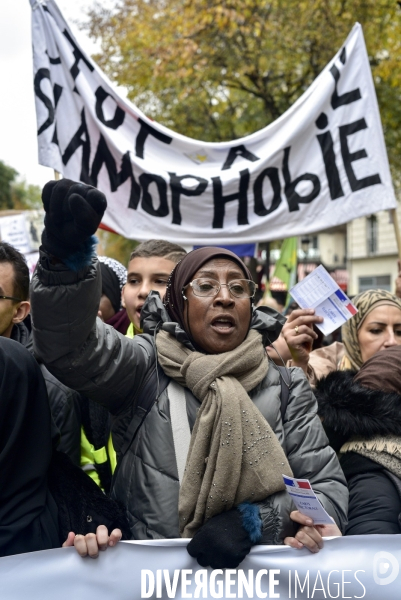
point(382, 282)
point(371, 234)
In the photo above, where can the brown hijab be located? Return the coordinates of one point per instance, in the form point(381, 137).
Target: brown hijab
point(183, 273)
point(382, 371)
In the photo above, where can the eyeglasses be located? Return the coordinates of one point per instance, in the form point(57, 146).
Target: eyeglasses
point(239, 288)
point(10, 298)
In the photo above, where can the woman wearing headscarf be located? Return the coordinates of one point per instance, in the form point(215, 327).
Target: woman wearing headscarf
point(42, 494)
point(361, 413)
point(199, 428)
point(376, 326)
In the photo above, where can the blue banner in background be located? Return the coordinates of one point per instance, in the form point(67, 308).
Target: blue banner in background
point(238, 249)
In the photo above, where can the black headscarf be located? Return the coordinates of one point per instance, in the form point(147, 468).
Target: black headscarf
point(185, 270)
point(28, 514)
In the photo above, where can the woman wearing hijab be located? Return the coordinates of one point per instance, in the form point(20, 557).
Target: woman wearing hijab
point(199, 428)
point(375, 327)
point(361, 413)
point(37, 509)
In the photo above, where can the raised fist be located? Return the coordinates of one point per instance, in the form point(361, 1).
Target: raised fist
point(73, 214)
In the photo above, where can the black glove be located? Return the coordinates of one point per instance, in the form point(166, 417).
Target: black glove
point(222, 542)
point(73, 214)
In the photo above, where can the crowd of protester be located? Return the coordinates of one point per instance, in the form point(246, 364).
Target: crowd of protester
point(172, 406)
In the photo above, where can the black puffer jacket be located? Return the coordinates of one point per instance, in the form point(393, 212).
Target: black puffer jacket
point(64, 402)
point(350, 411)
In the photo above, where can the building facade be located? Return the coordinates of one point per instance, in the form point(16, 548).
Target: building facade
point(360, 255)
point(372, 255)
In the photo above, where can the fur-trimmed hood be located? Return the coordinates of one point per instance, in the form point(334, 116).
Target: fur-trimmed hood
point(348, 409)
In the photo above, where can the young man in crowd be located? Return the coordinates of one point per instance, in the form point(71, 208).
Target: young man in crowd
point(15, 324)
point(149, 267)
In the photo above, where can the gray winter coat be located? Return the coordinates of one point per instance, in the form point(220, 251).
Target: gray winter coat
point(96, 360)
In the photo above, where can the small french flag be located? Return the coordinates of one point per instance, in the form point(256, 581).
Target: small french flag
point(297, 483)
point(350, 307)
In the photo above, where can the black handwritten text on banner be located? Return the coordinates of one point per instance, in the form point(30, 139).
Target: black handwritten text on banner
point(320, 164)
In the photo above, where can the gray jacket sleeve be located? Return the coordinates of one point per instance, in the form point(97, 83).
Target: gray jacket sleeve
point(75, 345)
point(309, 453)
point(310, 457)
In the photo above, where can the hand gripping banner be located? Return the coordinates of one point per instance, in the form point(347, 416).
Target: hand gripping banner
point(353, 567)
point(321, 164)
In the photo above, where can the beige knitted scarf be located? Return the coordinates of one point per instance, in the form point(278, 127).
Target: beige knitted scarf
point(234, 454)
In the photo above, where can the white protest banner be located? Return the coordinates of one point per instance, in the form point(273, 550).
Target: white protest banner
point(322, 163)
point(13, 230)
point(353, 567)
point(22, 230)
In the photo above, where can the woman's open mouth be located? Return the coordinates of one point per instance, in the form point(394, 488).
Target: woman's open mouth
point(223, 324)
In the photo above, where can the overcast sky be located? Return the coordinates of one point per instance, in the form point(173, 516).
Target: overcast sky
point(18, 139)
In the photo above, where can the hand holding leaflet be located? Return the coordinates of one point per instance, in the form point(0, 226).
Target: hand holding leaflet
point(319, 291)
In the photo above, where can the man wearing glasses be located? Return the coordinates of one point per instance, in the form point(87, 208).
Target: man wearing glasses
point(14, 289)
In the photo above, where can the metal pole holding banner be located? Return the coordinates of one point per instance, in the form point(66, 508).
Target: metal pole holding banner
point(57, 175)
point(393, 212)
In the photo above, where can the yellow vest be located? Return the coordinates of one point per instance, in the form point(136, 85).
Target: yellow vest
point(91, 457)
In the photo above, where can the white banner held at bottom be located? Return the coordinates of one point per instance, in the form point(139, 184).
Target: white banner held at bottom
point(353, 567)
